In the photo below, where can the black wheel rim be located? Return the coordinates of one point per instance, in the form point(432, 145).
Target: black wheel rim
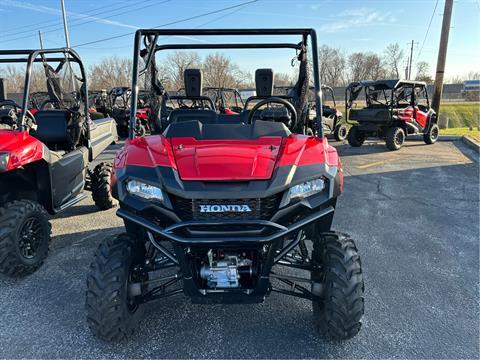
point(32, 236)
point(398, 138)
point(343, 132)
point(434, 133)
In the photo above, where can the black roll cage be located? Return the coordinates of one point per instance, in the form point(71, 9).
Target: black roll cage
point(33, 56)
point(149, 38)
point(385, 86)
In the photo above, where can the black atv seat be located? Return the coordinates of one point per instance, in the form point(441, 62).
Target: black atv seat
point(201, 131)
point(52, 129)
point(204, 116)
point(229, 119)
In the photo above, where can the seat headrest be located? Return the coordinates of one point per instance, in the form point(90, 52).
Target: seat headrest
point(182, 115)
point(3, 90)
point(193, 82)
point(264, 82)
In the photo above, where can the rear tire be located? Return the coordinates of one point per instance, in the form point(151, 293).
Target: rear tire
point(338, 274)
point(431, 136)
point(394, 138)
point(140, 129)
point(340, 132)
point(355, 137)
point(24, 237)
point(111, 315)
point(101, 186)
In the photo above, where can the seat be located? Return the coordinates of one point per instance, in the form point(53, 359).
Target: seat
point(193, 91)
point(229, 119)
point(199, 131)
point(52, 129)
point(203, 116)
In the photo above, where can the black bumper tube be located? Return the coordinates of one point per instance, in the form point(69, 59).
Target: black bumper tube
point(168, 232)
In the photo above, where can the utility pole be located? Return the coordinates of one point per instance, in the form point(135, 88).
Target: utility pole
point(65, 26)
point(410, 62)
point(442, 55)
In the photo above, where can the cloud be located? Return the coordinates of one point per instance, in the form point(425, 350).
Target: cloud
point(54, 11)
point(359, 17)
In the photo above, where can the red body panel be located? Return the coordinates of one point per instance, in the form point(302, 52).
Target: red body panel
point(421, 117)
point(147, 151)
point(302, 150)
point(230, 112)
point(143, 113)
point(227, 160)
point(406, 114)
point(23, 148)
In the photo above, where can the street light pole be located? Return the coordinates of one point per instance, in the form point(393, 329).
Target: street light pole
point(65, 26)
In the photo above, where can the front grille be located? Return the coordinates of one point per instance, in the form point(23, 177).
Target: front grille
point(262, 208)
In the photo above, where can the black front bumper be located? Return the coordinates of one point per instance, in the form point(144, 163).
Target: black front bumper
point(171, 232)
point(273, 242)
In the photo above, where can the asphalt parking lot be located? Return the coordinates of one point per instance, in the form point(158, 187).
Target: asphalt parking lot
point(415, 216)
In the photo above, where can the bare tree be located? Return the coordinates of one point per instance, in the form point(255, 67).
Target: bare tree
point(283, 79)
point(332, 63)
point(220, 71)
point(13, 78)
point(473, 75)
point(363, 66)
point(393, 56)
point(423, 72)
point(171, 71)
point(110, 72)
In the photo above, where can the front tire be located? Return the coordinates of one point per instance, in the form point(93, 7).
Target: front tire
point(24, 238)
point(101, 186)
point(111, 314)
point(337, 273)
point(431, 136)
point(340, 132)
point(355, 137)
point(394, 138)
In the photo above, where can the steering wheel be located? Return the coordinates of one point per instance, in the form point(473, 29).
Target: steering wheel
point(16, 107)
point(274, 100)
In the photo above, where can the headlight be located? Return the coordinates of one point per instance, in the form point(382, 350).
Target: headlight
point(145, 191)
point(307, 188)
point(4, 157)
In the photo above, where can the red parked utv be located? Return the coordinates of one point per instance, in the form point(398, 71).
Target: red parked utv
point(332, 121)
point(394, 109)
point(44, 158)
point(227, 208)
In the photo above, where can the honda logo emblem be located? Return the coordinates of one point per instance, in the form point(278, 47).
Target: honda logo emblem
point(224, 208)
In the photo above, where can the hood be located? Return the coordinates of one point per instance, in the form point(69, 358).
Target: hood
point(226, 160)
point(22, 147)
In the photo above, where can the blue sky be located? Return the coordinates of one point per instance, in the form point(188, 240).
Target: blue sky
point(350, 25)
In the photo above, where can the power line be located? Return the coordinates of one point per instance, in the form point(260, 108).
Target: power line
point(196, 27)
point(171, 23)
point(222, 16)
point(82, 22)
point(428, 29)
point(56, 22)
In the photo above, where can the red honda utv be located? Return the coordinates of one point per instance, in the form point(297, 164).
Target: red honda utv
point(44, 158)
point(227, 208)
point(119, 100)
point(333, 122)
point(394, 109)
